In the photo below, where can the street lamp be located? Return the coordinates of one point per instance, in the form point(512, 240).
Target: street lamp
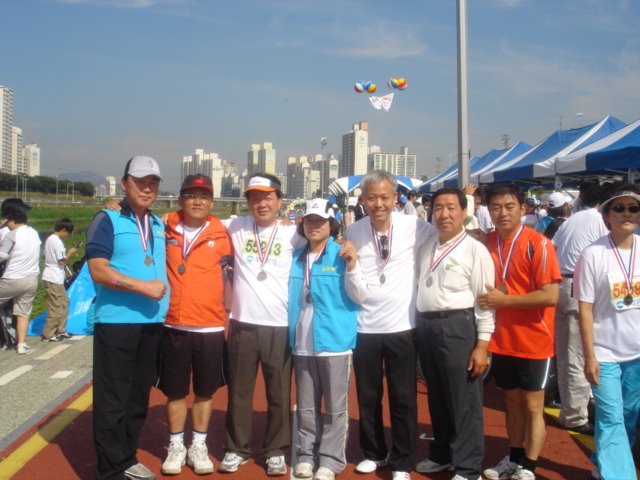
point(323, 142)
point(24, 183)
point(56, 189)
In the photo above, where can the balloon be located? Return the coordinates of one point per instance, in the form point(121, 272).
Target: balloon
point(359, 87)
point(370, 87)
point(402, 83)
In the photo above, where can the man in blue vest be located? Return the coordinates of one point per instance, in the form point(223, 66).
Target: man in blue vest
point(126, 256)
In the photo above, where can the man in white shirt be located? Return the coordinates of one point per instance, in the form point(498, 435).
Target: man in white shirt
point(258, 325)
point(55, 259)
point(453, 335)
point(387, 247)
point(574, 235)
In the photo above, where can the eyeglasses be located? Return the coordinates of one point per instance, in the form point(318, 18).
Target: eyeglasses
point(190, 196)
point(619, 208)
point(384, 246)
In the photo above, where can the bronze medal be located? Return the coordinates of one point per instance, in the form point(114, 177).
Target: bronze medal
point(503, 288)
point(308, 298)
point(262, 275)
point(148, 261)
point(382, 279)
point(182, 268)
point(628, 300)
point(429, 281)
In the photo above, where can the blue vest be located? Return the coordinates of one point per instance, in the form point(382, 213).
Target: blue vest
point(335, 315)
point(116, 306)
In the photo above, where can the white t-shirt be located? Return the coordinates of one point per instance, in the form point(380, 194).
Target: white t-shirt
point(54, 251)
point(484, 219)
point(577, 233)
point(261, 302)
point(390, 306)
point(530, 220)
point(409, 209)
point(22, 245)
point(598, 280)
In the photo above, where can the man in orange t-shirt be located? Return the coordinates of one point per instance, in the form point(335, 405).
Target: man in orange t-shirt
point(527, 290)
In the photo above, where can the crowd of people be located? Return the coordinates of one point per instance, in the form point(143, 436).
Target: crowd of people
point(448, 281)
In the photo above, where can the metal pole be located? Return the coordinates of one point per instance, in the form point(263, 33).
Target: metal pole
point(323, 142)
point(464, 153)
point(56, 189)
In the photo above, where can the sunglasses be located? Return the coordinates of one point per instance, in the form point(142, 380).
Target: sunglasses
point(619, 208)
point(384, 246)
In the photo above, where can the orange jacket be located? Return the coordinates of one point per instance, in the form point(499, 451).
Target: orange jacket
point(197, 295)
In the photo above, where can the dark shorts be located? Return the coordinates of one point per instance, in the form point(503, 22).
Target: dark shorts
point(184, 353)
point(527, 374)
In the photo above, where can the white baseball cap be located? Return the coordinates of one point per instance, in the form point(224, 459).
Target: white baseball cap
point(557, 199)
point(320, 207)
point(142, 166)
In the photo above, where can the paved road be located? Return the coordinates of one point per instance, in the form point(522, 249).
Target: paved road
point(31, 386)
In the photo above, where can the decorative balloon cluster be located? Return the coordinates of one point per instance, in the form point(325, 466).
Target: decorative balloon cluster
point(368, 87)
point(399, 83)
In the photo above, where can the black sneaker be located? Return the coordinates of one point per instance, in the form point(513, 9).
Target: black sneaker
point(586, 429)
point(52, 339)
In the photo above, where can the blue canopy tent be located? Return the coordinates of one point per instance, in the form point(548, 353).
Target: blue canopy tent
point(438, 181)
point(494, 159)
point(345, 185)
point(549, 150)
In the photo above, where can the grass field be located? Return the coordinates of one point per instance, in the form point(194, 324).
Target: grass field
point(43, 217)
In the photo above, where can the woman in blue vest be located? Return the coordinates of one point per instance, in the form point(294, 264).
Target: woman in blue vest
point(325, 288)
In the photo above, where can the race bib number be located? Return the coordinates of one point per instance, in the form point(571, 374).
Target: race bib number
point(250, 251)
point(619, 290)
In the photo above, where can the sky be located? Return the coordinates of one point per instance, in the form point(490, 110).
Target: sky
point(98, 81)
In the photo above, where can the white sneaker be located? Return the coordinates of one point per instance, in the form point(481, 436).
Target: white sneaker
point(23, 349)
point(198, 458)
point(139, 472)
point(176, 458)
point(324, 473)
point(401, 476)
point(506, 469)
point(525, 474)
point(429, 466)
point(276, 466)
point(370, 466)
point(303, 470)
point(231, 462)
point(458, 477)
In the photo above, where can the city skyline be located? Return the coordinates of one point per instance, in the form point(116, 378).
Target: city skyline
point(103, 80)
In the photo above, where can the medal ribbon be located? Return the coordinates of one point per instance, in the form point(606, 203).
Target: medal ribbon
point(144, 232)
point(505, 266)
point(186, 250)
point(627, 272)
point(457, 241)
point(376, 242)
point(264, 256)
point(307, 271)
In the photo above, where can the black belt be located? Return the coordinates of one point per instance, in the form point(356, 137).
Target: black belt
point(567, 275)
point(443, 313)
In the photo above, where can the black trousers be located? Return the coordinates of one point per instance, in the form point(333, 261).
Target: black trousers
point(125, 359)
point(455, 398)
point(393, 354)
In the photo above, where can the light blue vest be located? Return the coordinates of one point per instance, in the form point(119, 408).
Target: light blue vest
point(115, 306)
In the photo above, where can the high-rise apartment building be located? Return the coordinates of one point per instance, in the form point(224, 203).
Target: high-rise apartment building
point(32, 159)
point(206, 163)
point(403, 163)
point(355, 146)
point(17, 152)
point(261, 160)
point(6, 128)
point(111, 186)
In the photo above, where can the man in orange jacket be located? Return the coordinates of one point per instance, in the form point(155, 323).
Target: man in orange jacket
point(198, 249)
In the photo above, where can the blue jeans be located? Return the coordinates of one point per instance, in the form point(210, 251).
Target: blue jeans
point(617, 404)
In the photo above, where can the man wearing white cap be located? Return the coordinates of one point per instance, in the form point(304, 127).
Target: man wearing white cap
point(556, 215)
point(126, 257)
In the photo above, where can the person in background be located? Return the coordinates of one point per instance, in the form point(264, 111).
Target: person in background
point(53, 275)
point(325, 288)
point(20, 248)
point(526, 293)
point(423, 211)
point(482, 212)
point(360, 211)
point(452, 336)
point(556, 215)
point(193, 338)
point(577, 233)
point(607, 287)
point(412, 196)
point(349, 216)
point(530, 216)
point(127, 263)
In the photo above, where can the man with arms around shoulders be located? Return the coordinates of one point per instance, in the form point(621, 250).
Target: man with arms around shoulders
point(387, 247)
point(126, 256)
point(453, 336)
point(527, 280)
point(258, 325)
point(577, 233)
point(198, 248)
